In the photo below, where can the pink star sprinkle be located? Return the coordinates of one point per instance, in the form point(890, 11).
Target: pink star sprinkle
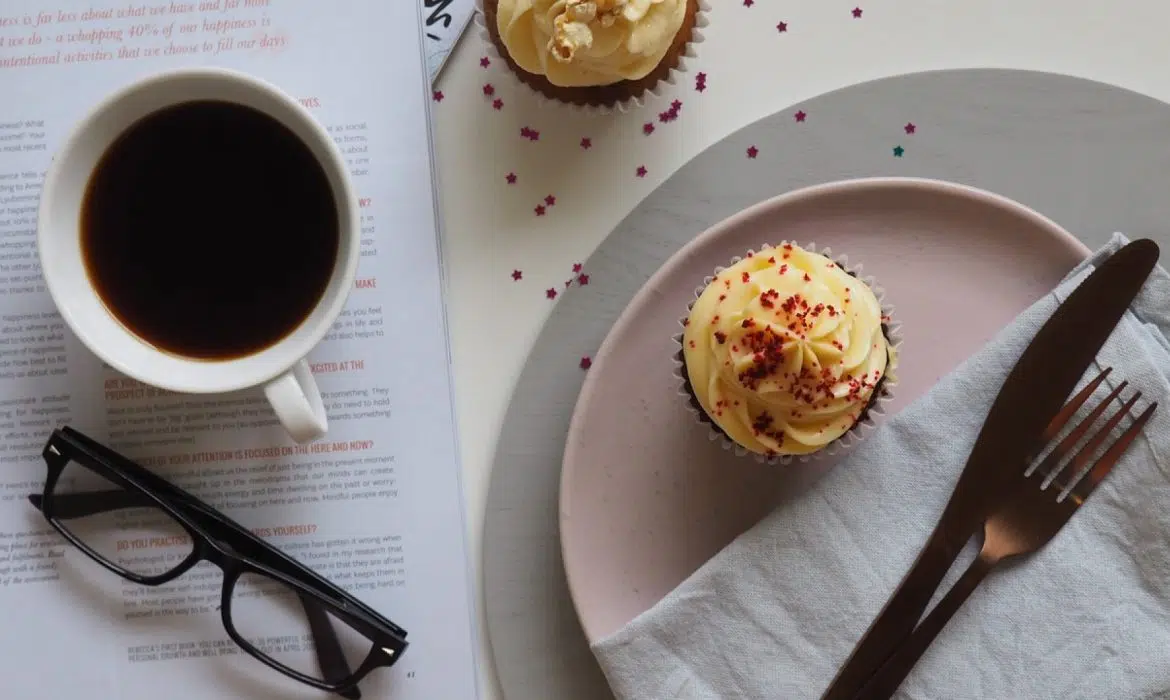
point(749, 3)
point(583, 280)
point(665, 116)
point(489, 89)
point(586, 143)
point(498, 104)
point(485, 62)
point(910, 128)
point(800, 116)
point(641, 171)
point(539, 210)
point(550, 200)
point(576, 267)
point(648, 128)
point(676, 106)
point(517, 275)
point(857, 13)
point(550, 293)
point(700, 82)
point(586, 363)
point(511, 178)
point(752, 152)
point(438, 95)
point(782, 27)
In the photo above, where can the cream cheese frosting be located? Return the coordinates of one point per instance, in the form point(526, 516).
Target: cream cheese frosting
point(784, 350)
point(585, 43)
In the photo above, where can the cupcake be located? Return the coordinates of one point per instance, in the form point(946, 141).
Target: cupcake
point(785, 353)
point(591, 52)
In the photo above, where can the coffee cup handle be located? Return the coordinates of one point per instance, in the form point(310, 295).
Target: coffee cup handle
point(297, 402)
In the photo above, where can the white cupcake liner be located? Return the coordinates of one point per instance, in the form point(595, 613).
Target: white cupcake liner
point(854, 435)
point(630, 103)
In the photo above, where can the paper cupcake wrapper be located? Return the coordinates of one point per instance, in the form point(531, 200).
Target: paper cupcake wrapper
point(630, 103)
point(843, 444)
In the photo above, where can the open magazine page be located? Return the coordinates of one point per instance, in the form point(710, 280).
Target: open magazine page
point(375, 506)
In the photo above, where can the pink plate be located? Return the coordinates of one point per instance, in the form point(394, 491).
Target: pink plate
point(646, 498)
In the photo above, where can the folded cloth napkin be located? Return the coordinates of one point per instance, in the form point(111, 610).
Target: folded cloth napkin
point(775, 614)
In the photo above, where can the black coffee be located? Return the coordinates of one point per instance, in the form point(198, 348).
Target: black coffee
point(209, 230)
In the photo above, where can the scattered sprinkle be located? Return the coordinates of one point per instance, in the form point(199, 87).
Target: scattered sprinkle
point(648, 128)
point(489, 89)
point(857, 13)
point(577, 267)
point(910, 128)
point(782, 27)
point(539, 209)
point(529, 133)
point(898, 151)
point(752, 152)
point(586, 143)
point(641, 171)
point(517, 275)
point(511, 178)
point(583, 280)
point(800, 116)
point(550, 293)
point(485, 62)
point(586, 362)
point(550, 200)
point(700, 81)
point(749, 3)
point(437, 95)
point(498, 104)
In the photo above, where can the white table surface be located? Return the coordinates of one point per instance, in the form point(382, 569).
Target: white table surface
point(753, 70)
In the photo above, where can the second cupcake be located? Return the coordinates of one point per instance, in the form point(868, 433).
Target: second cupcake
point(786, 352)
point(591, 52)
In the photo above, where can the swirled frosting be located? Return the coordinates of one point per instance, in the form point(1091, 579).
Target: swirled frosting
point(784, 350)
point(583, 43)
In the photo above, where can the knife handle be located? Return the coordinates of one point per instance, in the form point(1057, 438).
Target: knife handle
point(899, 616)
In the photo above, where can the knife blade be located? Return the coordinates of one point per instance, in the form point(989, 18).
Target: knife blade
point(1035, 389)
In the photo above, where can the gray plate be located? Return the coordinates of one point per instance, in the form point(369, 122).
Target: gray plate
point(1095, 158)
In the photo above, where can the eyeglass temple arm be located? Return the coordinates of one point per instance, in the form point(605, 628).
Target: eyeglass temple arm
point(68, 506)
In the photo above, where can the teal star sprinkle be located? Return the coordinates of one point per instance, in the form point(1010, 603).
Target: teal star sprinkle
point(898, 151)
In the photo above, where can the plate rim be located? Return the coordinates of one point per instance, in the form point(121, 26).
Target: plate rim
point(847, 186)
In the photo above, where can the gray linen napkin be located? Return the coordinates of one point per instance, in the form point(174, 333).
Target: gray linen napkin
point(776, 612)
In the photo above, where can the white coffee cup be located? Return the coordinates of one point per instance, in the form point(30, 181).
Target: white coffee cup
point(280, 369)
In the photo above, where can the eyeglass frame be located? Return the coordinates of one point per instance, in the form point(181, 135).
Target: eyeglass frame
point(200, 520)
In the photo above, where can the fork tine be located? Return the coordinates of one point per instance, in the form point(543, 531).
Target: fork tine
point(1051, 463)
point(1083, 488)
point(1076, 466)
point(1073, 406)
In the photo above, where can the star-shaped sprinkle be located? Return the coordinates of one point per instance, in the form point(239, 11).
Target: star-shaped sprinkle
point(676, 105)
point(700, 81)
point(489, 89)
point(782, 27)
point(437, 95)
point(641, 171)
point(749, 3)
point(586, 143)
point(586, 362)
point(539, 209)
point(511, 178)
point(910, 128)
point(485, 62)
point(577, 267)
point(550, 293)
point(648, 128)
point(582, 280)
point(898, 151)
point(800, 116)
point(857, 13)
point(517, 275)
point(529, 133)
point(752, 152)
point(550, 200)
point(497, 104)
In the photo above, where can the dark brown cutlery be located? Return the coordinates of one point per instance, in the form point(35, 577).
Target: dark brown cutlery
point(1034, 390)
point(1041, 503)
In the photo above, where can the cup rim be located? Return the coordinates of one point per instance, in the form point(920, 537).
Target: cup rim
point(330, 304)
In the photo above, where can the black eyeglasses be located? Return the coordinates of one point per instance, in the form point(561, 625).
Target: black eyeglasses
point(149, 531)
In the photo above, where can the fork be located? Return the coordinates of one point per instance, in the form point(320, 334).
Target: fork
point(1039, 505)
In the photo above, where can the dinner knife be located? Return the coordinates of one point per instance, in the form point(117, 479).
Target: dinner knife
point(1033, 392)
